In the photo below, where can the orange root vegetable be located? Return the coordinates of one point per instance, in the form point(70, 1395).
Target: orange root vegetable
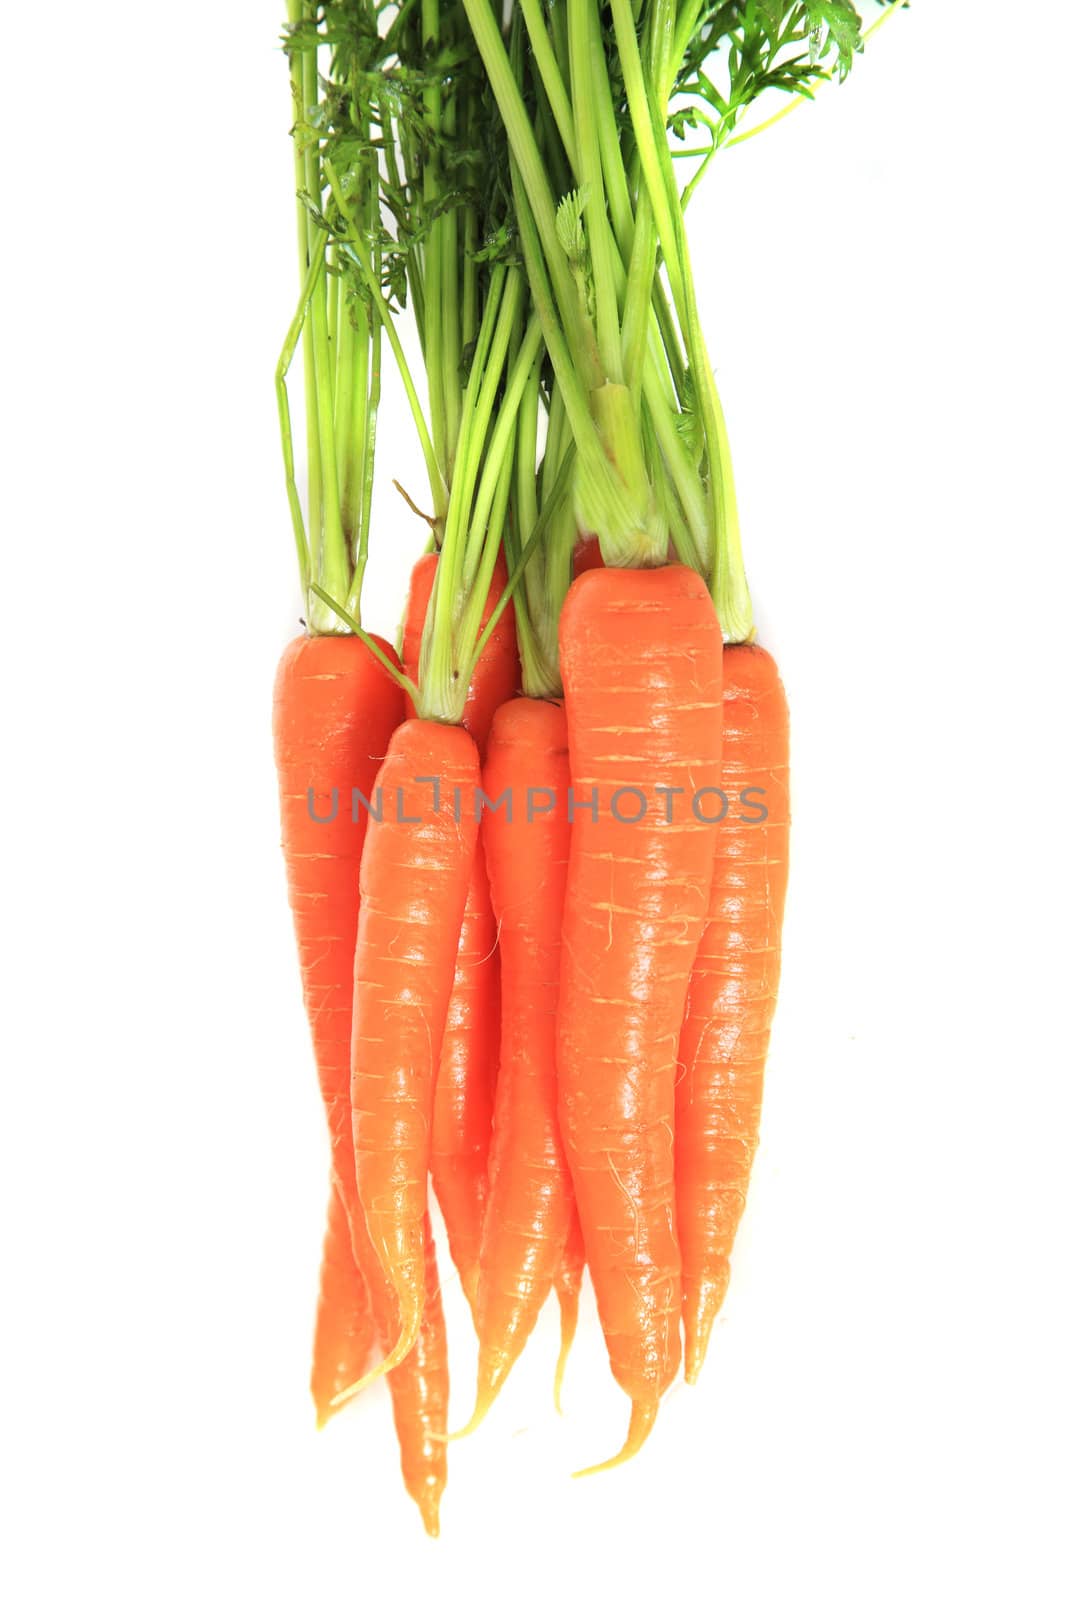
point(344, 1330)
point(733, 990)
point(414, 878)
point(466, 1082)
point(470, 1052)
point(530, 1208)
point(335, 709)
point(641, 658)
point(418, 1386)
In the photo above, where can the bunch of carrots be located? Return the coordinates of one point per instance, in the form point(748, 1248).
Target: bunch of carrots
point(537, 854)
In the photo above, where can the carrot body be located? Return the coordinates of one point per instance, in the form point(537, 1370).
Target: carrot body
point(344, 1329)
point(470, 1051)
point(466, 1082)
point(641, 658)
point(531, 1204)
point(335, 709)
point(414, 878)
point(732, 991)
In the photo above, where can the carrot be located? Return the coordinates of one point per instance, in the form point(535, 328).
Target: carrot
point(531, 1205)
point(335, 708)
point(470, 1053)
point(641, 657)
point(466, 1082)
point(414, 877)
point(418, 1385)
point(344, 1331)
point(732, 991)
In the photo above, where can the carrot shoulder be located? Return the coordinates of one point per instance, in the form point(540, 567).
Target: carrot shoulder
point(641, 657)
point(733, 989)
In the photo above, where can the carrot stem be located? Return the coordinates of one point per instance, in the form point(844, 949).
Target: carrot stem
point(368, 639)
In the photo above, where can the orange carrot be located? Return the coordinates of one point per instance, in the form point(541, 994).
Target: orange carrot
point(335, 708)
point(733, 990)
point(466, 1082)
point(470, 1052)
point(531, 1204)
point(414, 877)
point(641, 658)
point(418, 1386)
point(344, 1331)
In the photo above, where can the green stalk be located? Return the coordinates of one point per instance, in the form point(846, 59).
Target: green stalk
point(501, 442)
point(435, 310)
point(585, 41)
point(552, 78)
point(728, 584)
point(281, 371)
point(501, 309)
point(603, 498)
point(332, 564)
point(470, 279)
point(297, 13)
point(367, 453)
point(527, 156)
point(350, 358)
point(464, 528)
point(497, 510)
point(450, 300)
point(524, 479)
point(357, 249)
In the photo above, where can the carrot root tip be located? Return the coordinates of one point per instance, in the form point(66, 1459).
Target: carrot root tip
point(641, 1419)
point(478, 1416)
point(429, 1504)
point(491, 1377)
point(703, 1303)
point(409, 1332)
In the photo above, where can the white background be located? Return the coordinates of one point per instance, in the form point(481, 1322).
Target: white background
point(882, 1411)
